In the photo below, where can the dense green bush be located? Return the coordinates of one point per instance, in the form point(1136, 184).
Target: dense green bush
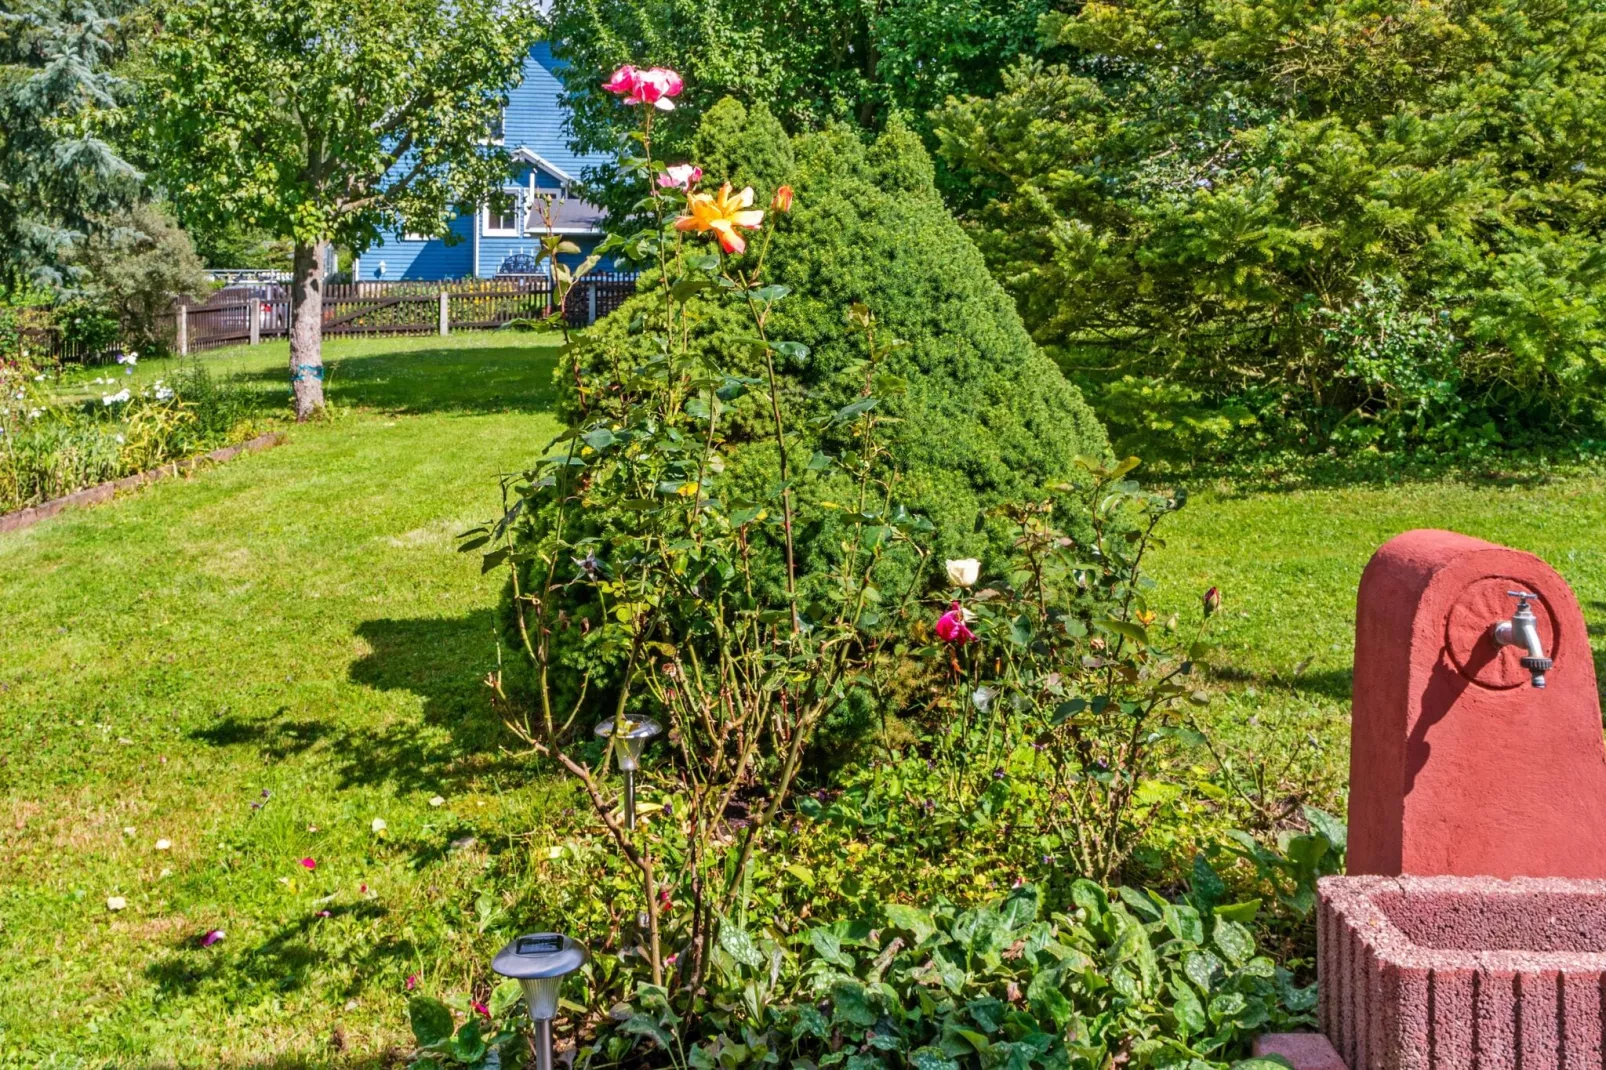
point(979, 416)
point(1270, 222)
point(986, 417)
point(133, 268)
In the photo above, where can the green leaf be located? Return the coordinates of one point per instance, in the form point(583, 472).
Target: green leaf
point(1187, 1010)
point(1264, 1062)
point(1090, 897)
point(929, 1058)
point(503, 996)
point(796, 352)
point(1328, 825)
point(469, 1043)
point(1243, 913)
point(643, 1025)
point(911, 920)
point(1184, 923)
point(851, 1005)
point(431, 1020)
point(1202, 968)
point(1234, 941)
point(1208, 887)
point(773, 292)
point(736, 943)
point(828, 946)
point(1130, 630)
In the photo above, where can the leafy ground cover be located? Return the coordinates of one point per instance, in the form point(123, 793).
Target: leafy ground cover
point(255, 665)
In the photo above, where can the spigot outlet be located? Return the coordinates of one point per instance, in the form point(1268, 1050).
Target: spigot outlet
point(1522, 630)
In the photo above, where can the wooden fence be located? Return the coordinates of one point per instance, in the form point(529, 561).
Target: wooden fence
point(248, 315)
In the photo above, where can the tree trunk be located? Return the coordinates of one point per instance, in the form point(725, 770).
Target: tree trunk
point(306, 329)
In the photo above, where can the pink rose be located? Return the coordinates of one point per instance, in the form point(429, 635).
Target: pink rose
point(653, 86)
point(951, 627)
point(681, 176)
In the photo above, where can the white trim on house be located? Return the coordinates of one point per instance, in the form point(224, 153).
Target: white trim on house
point(524, 155)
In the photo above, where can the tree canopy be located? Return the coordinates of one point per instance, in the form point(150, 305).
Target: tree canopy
point(322, 121)
point(1378, 213)
point(808, 61)
point(58, 175)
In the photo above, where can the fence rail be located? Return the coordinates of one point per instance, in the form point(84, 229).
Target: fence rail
point(248, 314)
point(379, 308)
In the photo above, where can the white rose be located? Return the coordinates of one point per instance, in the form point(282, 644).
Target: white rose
point(963, 573)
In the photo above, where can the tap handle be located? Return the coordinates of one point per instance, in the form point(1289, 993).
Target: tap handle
point(1523, 598)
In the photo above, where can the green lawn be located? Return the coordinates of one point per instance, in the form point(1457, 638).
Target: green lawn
point(1288, 565)
point(293, 629)
point(256, 662)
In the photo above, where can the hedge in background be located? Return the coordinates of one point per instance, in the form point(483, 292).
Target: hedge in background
point(1350, 221)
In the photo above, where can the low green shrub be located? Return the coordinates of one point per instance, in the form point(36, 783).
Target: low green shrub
point(1137, 980)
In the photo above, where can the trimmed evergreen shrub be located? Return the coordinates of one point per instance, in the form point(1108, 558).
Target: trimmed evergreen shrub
point(983, 417)
point(986, 418)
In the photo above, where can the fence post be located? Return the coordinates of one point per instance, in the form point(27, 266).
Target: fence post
point(591, 302)
point(183, 330)
point(253, 311)
point(446, 313)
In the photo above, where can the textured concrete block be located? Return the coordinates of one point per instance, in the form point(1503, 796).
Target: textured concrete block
point(1307, 1051)
point(1446, 973)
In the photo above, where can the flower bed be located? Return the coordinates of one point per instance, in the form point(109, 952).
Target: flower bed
point(50, 449)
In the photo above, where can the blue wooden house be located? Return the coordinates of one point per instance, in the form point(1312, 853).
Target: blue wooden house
point(544, 172)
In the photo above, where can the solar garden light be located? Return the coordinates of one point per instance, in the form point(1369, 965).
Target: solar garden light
point(627, 748)
point(540, 962)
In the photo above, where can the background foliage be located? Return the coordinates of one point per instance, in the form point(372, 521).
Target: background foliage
point(812, 63)
point(1320, 224)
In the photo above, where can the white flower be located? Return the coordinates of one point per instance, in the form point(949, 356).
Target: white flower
point(983, 697)
point(963, 572)
point(436, 800)
point(164, 393)
point(128, 830)
point(128, 358)
point(117, 398)
point(115, 902)
point(34, 414)
point(119, 439)
point(162, 845)
point(379, 825)
point(39, 378)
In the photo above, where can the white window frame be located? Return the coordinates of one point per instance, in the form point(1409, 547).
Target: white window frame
point(514, 213)
point(410, 236)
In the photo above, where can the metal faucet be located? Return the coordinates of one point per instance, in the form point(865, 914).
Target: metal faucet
point(1523, 630)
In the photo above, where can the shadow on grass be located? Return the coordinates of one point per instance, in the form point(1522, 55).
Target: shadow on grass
point(276, 737)
point(287, 961)
point(443, 660)
point(511, 378)
point(1328, 683)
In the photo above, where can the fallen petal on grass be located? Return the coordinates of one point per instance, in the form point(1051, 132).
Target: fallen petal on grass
point(115, 902)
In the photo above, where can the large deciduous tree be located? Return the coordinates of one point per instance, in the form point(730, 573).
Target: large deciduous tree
point(808, 61)
point(58, 176)
point(326, 121)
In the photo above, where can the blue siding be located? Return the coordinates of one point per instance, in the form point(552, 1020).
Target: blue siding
point(535, 121)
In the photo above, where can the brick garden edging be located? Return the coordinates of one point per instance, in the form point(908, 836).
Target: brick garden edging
point(25, 518)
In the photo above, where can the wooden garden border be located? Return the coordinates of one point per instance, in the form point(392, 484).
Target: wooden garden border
point(26, 518)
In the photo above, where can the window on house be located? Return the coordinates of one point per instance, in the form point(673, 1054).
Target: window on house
point(496, 132)
point(502, 217)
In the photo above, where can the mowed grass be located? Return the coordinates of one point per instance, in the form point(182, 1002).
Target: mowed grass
point(1288, 566)
point(250, 666)
point(255, 663)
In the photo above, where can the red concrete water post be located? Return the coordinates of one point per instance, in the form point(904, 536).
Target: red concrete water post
point(1458, 766)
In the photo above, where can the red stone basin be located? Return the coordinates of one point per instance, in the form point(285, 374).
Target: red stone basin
point(1463, 972)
